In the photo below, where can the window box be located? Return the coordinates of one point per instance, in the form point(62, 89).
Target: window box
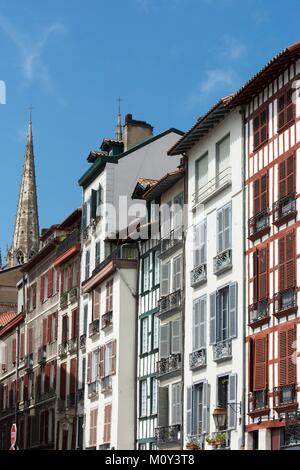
point(222, 350)
point(223, 261)
point(285, 302)
point(259, 313)
point(94, 328)
point(199, 275)
point(107, 320)
point(259, 225)
point(198, 359)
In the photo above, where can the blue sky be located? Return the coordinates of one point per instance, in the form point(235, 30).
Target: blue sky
point(169, 60)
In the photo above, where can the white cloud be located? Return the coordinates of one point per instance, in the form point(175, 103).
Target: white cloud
point(31, 52)
point(232, 48)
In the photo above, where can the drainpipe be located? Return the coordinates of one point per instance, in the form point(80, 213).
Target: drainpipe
point(136, 342)
point(243, 410)
point(17, 376)
point(185, 199)
point(75, 429)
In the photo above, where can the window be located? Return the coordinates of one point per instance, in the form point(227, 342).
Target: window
point(93, 427)
point(176, 403)
point(63, 377)
point(178, 213)
point(154, 389)
point(155, 330)
point(199, 324)
point(226, 398)
point(97, 254)
point(177, 273)
point(260, 128)
point(223, 155)
point(44, 285)
point(223, 314)
point(286, 177)
point(261, 194)
point(156, 263)
point(99, 201)
point(144, 397)
point(200, 240)
point(96, 303)
point(201, 172)
point(146, 274)
point(87, 264)
point(108, 359)
point(286, 109)
point(74, 324)
point(95, 366)
point(166, 219)
point(144, 335)
point(32, 297)
point(109, 296)
point(84, 215)
point(165, 281)
point(224, 228)
point(198, 409)
point(176, 336)
point(93, 204)
point(65, 328)
point(261, 274)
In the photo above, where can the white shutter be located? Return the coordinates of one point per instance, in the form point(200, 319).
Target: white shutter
point(227, 227)
point(213, 312)
point(196, 325)
point(146, 268)
point(189, 411)
point(203, 241)
point(176, 337)
point(205, 407)
point(163, 406)
point(233, 302)
point(196, 246)
point(164, 344)
point(220, 223)
point(232, 408)
point(176, 403)
point(165, 279)
point(177, 273)
point(202, 322)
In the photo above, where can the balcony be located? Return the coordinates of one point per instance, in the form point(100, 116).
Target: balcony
point(107, 320)
point(259, 313)
point(167, 435)
point(61, 404)
point(284, 209)
point(222, 350)
point(198, 359)
point(42, 354)
point(46, 395)
point(72, 239)
point(82, 341)
point(71, 401)
point(223, 261)
point(29, 361)
point(63, 349)
point(213, 187)
point(258, 403)
point(93, 389)
point(259, 225)
point(73, 294)
point(72, 345)
point(169, 365)
point(124, 252)
point(64, 300)
point(106, 384)
point(199, 275)
point(171, 242)
point(169, 303)
point(285, 397)
point(285, 302)
point(94, 328)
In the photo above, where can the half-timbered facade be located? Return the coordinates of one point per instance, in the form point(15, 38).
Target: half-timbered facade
point(272, 141)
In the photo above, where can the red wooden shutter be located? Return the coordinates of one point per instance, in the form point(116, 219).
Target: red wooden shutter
point(34, 288)
point(30, 340)
point(22, 346)
point(47, 377)
point(49, 328)
point(42, 289)
point(286, 177)
point(44, 331)
point(96, 304)
point(57, 279)
point(25, 387)
point(281, 111)
point(89, 368)
point(263, 264)
point(74, 324)
point(50, 282)
point(101, 362)
point(260, 128)
point(70, 277)
point(256, 197)
point(286, 108)
point(287, 261)
point(290, 107)
point(56, 324)
point(14, 351)
point(287, 349)
point(255, 276)
point(73, 366)
point(107, 424)
point(63, 372)
point(18, 390)
point(264, 192)
point(260, 363)
point(113, 359)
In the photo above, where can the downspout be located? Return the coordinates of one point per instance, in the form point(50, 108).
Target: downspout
point(75, 428)
point(243, 174)
point(136, 343)
point(185, 199)
point(17, 377)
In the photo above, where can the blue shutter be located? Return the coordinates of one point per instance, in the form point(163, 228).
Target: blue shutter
point(205, 408)
point(233, 302)
point(232, 407)
point(189, 411)
point(213, 311)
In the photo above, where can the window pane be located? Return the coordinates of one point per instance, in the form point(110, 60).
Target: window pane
point(201, 171)
point(223, 154)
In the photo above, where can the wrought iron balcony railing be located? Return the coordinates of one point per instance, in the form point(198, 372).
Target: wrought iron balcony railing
point(169, 364)
point(259, 225)
point(169, 303)
point(93, 389)
point(223, 261)
point(284, 209)
point(106, 320)
point(63, 349)
point(167, 434)
point(222, 350)
point(72, 345)
point(199, 275)
point(29, 361)
point(198, 359)
point(213, 187)
point(285, 396)
point(94, 328)
point(285, 302)
point(172, 240)
point(72, 239)
point(82, 342)
point(259, 313)
point(42, 354)
point(292, 428)
point(258, 402)
point(106, 384)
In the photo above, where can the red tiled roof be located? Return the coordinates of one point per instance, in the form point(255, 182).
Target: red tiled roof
point(6, 317)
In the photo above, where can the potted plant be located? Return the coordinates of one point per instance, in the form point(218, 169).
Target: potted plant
point(220, 439)
point(211, 441)
point(192, 444)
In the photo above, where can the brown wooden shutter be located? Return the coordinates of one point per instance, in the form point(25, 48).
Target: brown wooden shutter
point(260, 363)
point(57, 279)
point(74, 324)
point(107, 424)
point(63, 373)
point(96, 304)
point(42, 289)
point(286, 177)
point(73, 367)
point(22, 346)
point(263, 279)
point(286, 360)
point(264, 189)
point(70, 277)
point(14, 351)
point(101, 361)
point(47, 377)
point(56, 324)
point(286, 108)
point(260, 128)
point(281, 111)
point(255, 276)
point(50, 282)
point(256, 132)
point(54, 374)
point(25, 387)
point(290, 107)
point(113, 359)
point(44, 331)
point(89, 368)
point(30, 340)
point(18, 390)
point(287, 261)
point(49, 329)
point(34, 288)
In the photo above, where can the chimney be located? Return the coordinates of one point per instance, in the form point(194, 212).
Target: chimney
point(135, 132)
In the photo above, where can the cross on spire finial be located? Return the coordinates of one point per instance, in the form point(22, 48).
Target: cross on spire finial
point(30, 112)
point(119, 104)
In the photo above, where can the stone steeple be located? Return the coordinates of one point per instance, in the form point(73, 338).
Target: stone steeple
point(26, 232)
point(119, 136)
